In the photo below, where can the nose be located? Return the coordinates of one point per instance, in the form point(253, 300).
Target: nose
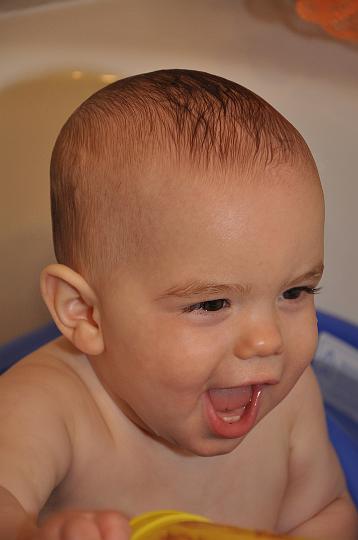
point(259, 337)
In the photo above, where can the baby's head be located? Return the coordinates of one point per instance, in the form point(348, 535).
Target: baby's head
point(188, 221)
point(135, 139)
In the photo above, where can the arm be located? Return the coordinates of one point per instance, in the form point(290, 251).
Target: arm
point(35, 451)
point(36, 402)
point(316, 504)
point(337, 520)
point(15, 523)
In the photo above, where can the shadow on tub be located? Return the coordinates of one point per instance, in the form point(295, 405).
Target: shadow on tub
point(342, 425)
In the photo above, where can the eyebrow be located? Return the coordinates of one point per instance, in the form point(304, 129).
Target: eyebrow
point(197, 287)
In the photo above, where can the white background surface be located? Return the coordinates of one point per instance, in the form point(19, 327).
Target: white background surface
point(313, 81)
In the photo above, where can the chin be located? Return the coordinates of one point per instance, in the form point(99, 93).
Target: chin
point(211, 447)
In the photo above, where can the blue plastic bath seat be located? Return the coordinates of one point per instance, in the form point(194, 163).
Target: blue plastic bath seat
point(12, 352)
point(340, 328)
point(342, 430)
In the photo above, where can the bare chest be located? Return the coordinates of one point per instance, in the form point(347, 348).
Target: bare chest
point(243, 488)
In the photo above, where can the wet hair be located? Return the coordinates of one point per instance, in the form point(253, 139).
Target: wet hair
point(174, 116)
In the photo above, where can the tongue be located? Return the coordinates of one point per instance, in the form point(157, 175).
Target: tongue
point(229, 399)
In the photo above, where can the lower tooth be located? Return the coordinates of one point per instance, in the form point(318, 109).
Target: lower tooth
point(231, 419)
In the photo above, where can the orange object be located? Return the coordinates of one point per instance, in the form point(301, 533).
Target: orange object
point(337, 17)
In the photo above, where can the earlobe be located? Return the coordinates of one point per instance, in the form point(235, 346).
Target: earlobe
point(73, 306)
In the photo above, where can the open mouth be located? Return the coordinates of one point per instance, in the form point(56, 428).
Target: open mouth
point(232, 412)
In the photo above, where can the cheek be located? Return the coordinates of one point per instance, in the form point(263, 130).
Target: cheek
point(303, 336)
point(182, 356)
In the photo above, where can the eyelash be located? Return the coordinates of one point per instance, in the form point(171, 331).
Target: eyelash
point(199, 306)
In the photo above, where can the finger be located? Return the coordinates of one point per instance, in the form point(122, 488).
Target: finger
point(54, 527)
point(50, 530)
point(80, 527)
point(113, 526)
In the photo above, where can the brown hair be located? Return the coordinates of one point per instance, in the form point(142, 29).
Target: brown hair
point(106, 143)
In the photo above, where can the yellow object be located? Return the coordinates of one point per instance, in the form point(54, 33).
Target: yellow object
point(156, 524)
point(174, 525)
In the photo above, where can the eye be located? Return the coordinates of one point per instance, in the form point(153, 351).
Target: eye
point(208, 305)
point(296, 292)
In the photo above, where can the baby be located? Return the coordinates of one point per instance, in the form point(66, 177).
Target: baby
point(188, 227)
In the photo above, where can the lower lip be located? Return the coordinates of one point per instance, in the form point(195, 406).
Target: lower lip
point(242, 426)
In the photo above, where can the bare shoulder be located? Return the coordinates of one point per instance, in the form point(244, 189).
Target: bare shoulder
point(56, 369)
point(46, 372)
point(38, 397)
point(315, 478)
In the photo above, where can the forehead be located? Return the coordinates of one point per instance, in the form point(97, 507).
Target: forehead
point(216, 200)
point(235, 223)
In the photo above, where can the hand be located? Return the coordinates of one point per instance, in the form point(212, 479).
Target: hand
point(81, 525)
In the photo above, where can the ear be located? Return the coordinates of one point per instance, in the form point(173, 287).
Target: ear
point(73, 306)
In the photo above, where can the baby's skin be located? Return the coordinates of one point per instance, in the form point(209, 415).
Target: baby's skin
point(129, 411)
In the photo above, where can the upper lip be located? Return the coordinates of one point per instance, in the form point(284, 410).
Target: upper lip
point(252, 383)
